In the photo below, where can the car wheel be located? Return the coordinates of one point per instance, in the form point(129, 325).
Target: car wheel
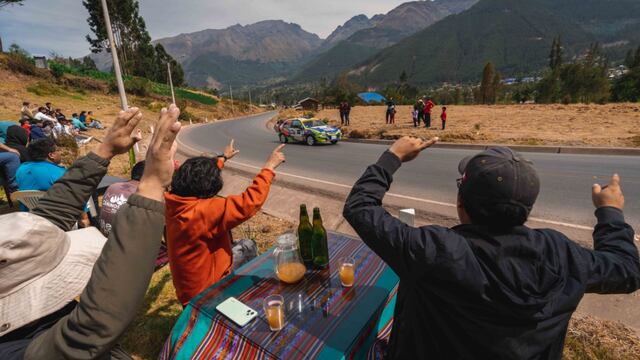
point(283, 139)
point(311, 140)
point(334, 142)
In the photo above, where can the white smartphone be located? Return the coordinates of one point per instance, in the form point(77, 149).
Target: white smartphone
point(236, 311)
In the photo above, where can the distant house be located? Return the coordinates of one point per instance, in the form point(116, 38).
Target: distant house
point(41, 62)
point(308, 104)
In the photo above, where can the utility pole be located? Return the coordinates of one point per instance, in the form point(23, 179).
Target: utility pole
point(231, 92)
point(250, 103)
point(173, 95)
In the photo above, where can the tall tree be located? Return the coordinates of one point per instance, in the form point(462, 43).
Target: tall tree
point(132, 40)
point(487, 85)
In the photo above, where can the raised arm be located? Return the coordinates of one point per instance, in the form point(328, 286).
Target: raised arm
point(613, 265)
point(240, 208)
point(398, 244)
point(65, 201)
point(121, 275)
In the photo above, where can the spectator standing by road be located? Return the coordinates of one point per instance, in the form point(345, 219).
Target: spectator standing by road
point(428, 108)
point(418, 109)
point(490, 287)
point(443, 117)
point(345, 111)
point(391, 112)
point(199, 223)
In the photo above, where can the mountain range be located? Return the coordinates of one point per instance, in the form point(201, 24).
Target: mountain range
point(432, 41)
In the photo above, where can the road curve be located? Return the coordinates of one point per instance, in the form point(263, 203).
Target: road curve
point(566, 179)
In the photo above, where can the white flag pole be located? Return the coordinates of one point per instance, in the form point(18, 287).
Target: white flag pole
point(117, 70)
point(114, 56)
point(173, 95)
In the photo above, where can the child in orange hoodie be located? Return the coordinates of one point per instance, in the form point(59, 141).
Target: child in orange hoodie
point(199, 222)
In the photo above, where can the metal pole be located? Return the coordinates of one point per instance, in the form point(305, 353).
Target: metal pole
point(114, 56)
point(118, 71)
point(250, 102)
point(231, 91)
point(173, 96)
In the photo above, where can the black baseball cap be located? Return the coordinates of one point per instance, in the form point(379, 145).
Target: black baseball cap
point(498, 182)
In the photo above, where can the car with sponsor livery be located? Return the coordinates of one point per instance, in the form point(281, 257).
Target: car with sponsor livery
point(309, 131)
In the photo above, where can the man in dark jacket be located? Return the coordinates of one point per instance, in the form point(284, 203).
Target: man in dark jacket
point(491, 287)
point(39, 318)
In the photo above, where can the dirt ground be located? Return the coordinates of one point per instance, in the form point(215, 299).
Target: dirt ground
point(611, 125)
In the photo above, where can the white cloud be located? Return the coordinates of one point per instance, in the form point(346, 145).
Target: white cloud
point(42, 26)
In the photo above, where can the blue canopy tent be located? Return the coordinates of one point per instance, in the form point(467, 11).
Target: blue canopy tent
point(370, 97)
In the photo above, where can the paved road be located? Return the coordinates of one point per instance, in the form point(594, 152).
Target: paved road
point(566, 179)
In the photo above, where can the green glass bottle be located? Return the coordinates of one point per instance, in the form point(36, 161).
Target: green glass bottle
point(319, 238)
point(305, 234)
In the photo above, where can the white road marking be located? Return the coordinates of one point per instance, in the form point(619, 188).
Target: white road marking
point(405, 197)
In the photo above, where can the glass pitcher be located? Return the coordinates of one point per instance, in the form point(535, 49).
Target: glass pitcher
point(288, 267)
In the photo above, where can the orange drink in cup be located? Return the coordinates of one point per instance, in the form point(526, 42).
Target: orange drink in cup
point(347, 271)
point(274, 312)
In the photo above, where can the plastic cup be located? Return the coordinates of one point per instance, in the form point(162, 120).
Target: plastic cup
point(274, 312)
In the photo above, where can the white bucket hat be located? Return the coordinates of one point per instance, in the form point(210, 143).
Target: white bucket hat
point(42, 268)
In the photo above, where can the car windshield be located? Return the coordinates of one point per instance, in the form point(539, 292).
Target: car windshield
point(314, 123)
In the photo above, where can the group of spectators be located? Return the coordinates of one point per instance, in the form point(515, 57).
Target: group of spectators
point(490, 287)
point(421, 112)
point(28, 147)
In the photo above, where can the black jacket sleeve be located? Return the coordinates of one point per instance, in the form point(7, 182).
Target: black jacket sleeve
point(409, 251)
point(613, 266)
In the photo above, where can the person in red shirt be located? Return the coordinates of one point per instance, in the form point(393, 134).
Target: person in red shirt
point(428, 107)
point(25, 124)
point(443, 117)
point(199, 222)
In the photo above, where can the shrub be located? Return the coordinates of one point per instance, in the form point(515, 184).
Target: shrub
point(357, 134)
point(81, 83)
point(45, 88)
point(135, 86)
point(57, 70)
point(18, 62)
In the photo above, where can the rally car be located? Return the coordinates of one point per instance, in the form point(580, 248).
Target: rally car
point(309, 131)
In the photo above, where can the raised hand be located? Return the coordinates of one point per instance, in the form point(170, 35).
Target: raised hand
point(276, 158)
point(120, 137)
point(608, 195)
point(159, 165)
point(408, 148)
point(230, 151)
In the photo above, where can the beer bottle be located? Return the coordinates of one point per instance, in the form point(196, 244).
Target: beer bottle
point(320, 245)
point(305, 234)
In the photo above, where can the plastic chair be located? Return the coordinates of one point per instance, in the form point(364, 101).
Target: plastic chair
point(28, 198)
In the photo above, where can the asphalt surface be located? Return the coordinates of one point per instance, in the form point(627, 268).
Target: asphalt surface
point(566, 179)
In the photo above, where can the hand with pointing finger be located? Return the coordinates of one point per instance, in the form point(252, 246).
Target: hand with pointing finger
point(608, 195)
point(230, 151)
point(408, 148)
point(276, 159)
point(159, 164)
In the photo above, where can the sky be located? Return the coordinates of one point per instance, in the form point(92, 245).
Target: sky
point(45, 26)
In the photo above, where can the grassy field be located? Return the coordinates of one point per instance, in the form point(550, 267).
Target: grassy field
point(616, 125)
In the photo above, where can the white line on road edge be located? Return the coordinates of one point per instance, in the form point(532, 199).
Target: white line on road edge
point(432, 202)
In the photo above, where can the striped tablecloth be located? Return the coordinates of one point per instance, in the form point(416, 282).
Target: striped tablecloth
point(335, 323)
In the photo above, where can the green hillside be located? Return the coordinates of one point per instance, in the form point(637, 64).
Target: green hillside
point(515, 35)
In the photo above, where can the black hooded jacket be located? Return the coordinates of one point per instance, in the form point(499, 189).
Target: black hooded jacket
point(473, 293)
